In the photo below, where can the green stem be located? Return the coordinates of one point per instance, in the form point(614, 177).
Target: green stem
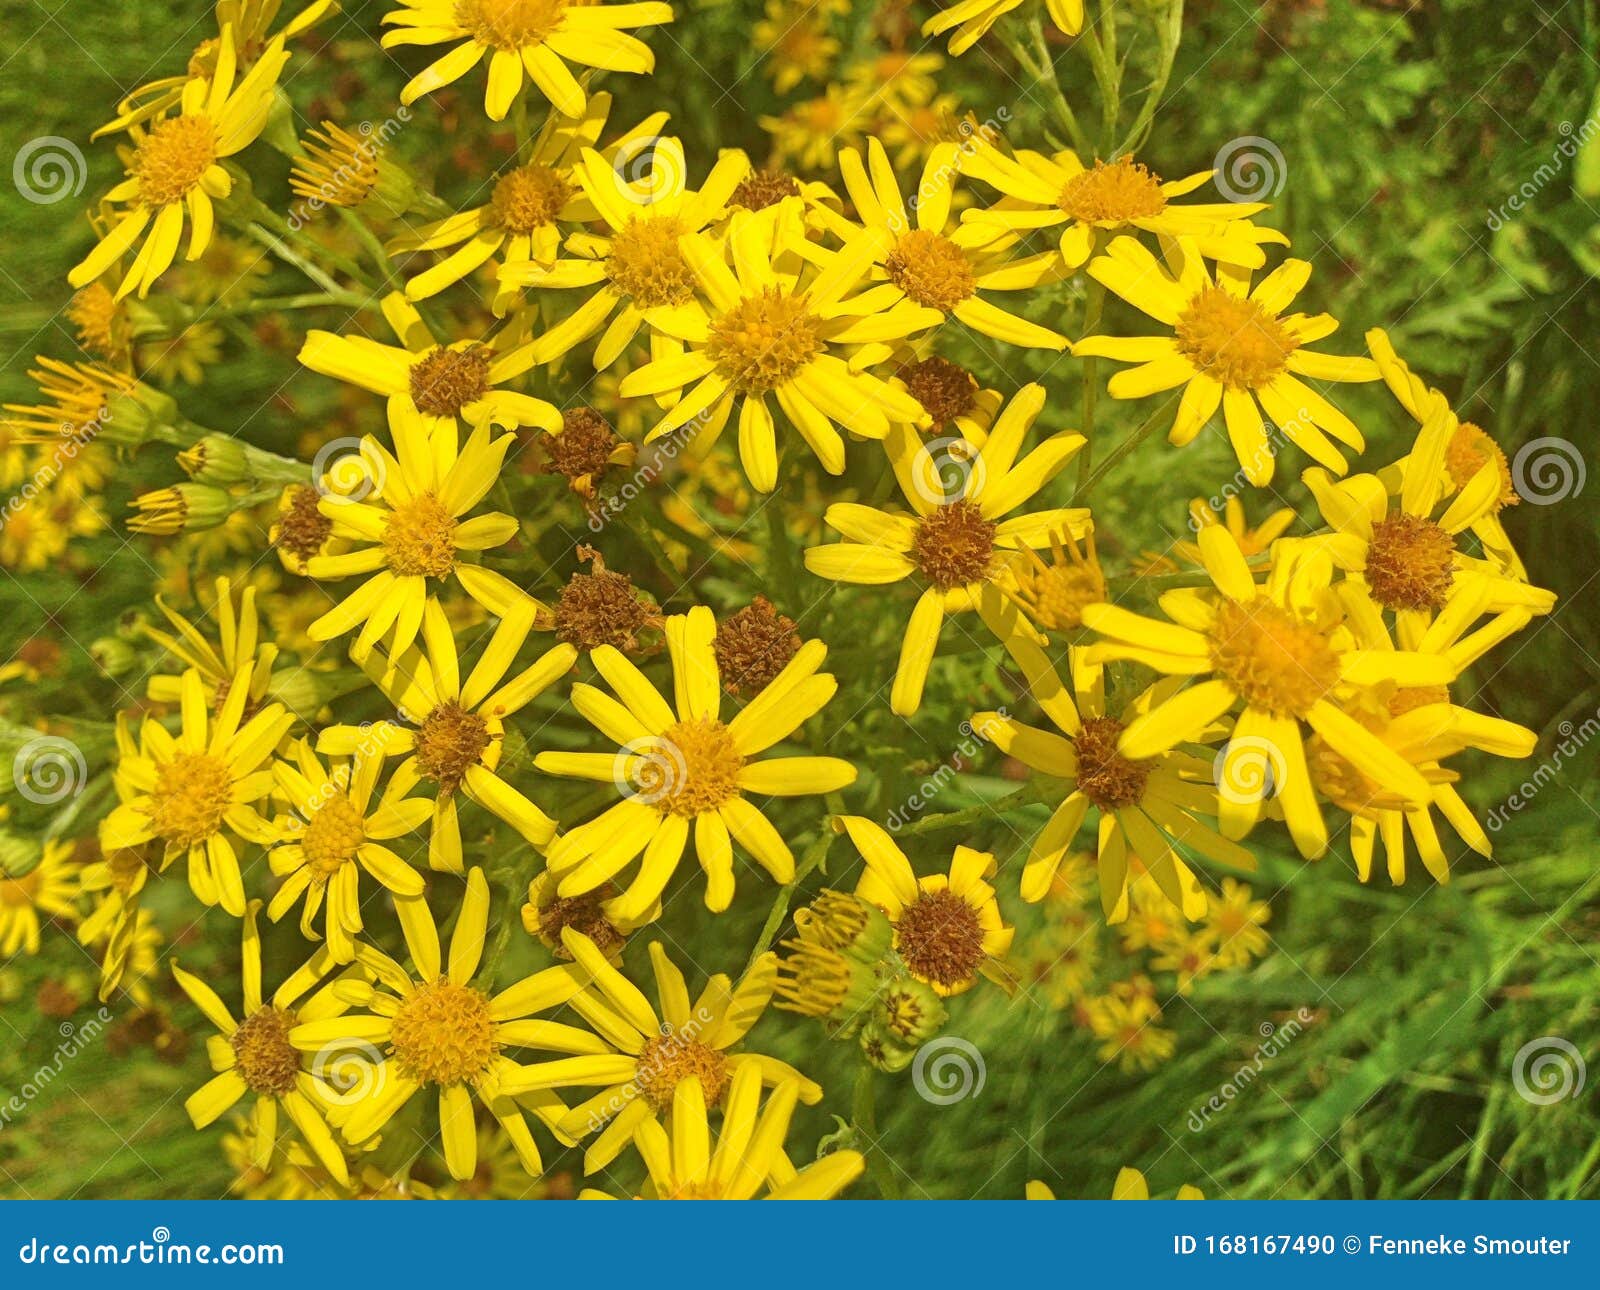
point(863, 1112)
point(1036, 61)
point(374, 248)
point(1162, 414)
point(1169, 33)
point(813, 857)
point(289, 255)
point(1091, 382)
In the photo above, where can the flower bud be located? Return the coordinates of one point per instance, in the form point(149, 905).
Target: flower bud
point(182, 508)
point(847, 924)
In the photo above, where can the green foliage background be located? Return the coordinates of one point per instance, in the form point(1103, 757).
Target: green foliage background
point(1404, 127)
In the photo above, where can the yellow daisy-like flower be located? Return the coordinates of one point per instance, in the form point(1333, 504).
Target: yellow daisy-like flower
point(522, 219)
point(1409, 560)
point(432, 389)
point(809, 134)
point(175, 168)
point(1253, 540)
point(748, 1154)
point(924, 274)
point(115, 883)
point(646, 1055)
point(638, 269)
point(1236, 922)
point(771, 330)
point(458, 727)
point(48, 890)
point(410, 533)
point(253, 1056)
point(1145, 805)
point(335, 831)
point(1280, 653)
point(947, 927)
point(970, 20)
point(796, 40)
point(439, 1029)
point(1124, 1020)
point(1232, 346)
point(1093, 202)
point(195, 793)
point(238, 649)
point(957, 544)
point(679, 764)
point(524, 40)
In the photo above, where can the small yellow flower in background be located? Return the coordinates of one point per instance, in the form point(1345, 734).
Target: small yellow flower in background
point(1124, 1020)
point(456, 728)
point(524, 40)
point(644, 1055)
point(770, 330)
point(1145, 804)
point(1278, 650)
point(335, 831)
point(48, 890)
point(238, 650)
point(1232, 346)
point(432, 389)
point(195, 792)
point(796, 40)
point(957, 542)
point(175, 170)
point(809, 134)
point(75, 399)
point(680, 764)
point(1236, 922)
point(970, 20)
point(440, 1031)
point(947, 927)
point(253, 1056)
point(1043, 192)
point(521, 221)
point(114, 883)
point(1252, 541)
point(747, 1156)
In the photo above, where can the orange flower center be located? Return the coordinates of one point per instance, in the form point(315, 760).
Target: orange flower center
point(646, 265)
point(954, 545)
point(449, 742)
point(529, 198)
point(1470, 448)
point(931, 269)
point(193, 792)
point(1277, 660)
point(1410, 562)
point(443, 1033)
point(443, 381)
point(691, 768)
point(668, 1059)
point(170, 160)
point(763, 341)
point(419, 538)
point(510, 25)
point(1113, 193)
point(267, 1062)
point(1107, 778)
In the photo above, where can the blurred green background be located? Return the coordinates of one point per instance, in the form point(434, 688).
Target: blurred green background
point(1404, 127)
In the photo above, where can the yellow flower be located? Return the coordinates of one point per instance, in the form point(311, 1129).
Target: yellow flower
point(748, 1155)
point(680, 764)
point(923, 273)
point(771, 330)
point(1236, 922)
point(175, 168)
point(431, 388)
point(899, 80)
point(253, 1056)
point(957, 543)
point(1281, 653)
point(1253, 541)
point(335, 831)
point(522, 219)
point(410, 533)
point(1232, 347)
point(947, 927)
point(115, 883)
point(531, 40)
point(971, 19)
point(1046, 192)
point(458, 727)
point(1125, 1023)
point(48, 890)
point(238, 650)
point(796, 41)
point(643, 1056)
point(436, 1028)
point(809, 134)
point(1145, 804)
point(1130, 1185)
point(195, 793)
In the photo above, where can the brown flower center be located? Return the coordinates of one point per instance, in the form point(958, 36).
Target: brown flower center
point(762, 188)
point(1232, 339)
point(582, 448)
point(954, 545)
point(946, 390)
point(1107, 778)
point(419, 538)
point(940, 938)
point(302, 528)
point(753, 646)
point(529, 198)
point(1410, 562)
point(583, 914)
point(444, 1033)
point(443, 381)
point(601, 609)
point(1113, 193)
point(170, 160)
point(1275, 659)
point(268, 1062)
point(931, 269)
point(670, 1058)
point(763, 341)
point(449, 742)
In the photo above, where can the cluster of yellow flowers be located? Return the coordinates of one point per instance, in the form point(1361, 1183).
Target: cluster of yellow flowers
point(1294, 674)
